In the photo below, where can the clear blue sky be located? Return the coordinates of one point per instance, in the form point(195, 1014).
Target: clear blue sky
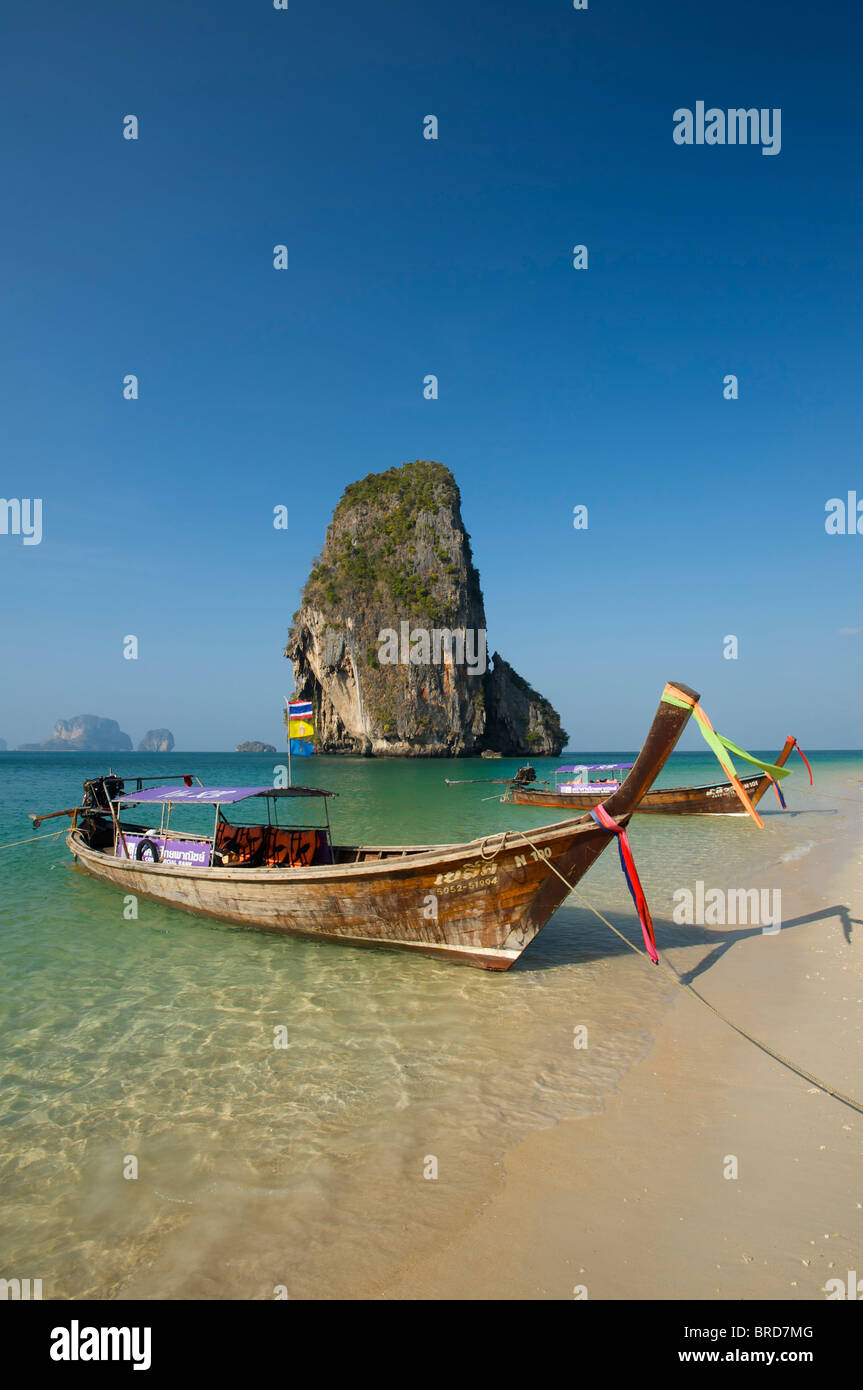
point(452, 257)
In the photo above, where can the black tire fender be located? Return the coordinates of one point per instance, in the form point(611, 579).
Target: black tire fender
point(147, 843)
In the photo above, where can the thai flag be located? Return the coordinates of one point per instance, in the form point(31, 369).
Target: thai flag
point(301, 710)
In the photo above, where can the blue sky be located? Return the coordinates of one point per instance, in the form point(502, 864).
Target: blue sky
point(451, 257)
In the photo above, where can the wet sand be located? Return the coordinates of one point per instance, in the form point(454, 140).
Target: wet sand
point(633, 1203)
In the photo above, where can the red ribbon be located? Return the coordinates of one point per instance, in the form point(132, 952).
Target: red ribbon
point(806, 761)
point(630, 873)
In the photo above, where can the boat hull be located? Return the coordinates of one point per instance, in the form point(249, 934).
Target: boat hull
point(718, 800)
point(481, 903)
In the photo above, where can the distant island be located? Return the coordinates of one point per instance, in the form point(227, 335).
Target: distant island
point(389, 643)
point(157, 741)
point(254, 746)
point(84, 733)
point(92, 733)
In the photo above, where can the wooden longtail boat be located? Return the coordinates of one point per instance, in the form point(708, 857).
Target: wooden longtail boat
point(481, 903)
point(718, 799)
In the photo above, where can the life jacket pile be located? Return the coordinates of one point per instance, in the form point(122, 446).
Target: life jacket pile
point(274, 846)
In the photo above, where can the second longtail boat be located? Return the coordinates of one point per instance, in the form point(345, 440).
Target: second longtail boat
point(574, 787)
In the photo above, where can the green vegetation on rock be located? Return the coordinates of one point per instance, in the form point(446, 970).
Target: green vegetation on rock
point(377, 565)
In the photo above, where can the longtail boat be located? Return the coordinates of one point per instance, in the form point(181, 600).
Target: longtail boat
point(481, 903)
point(574, 787)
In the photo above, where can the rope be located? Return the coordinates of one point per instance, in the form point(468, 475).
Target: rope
point(489, 857)
point(771, 1052)
point(54, 835)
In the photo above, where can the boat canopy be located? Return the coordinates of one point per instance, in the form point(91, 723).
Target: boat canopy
point(214, 796)
point(596, 767)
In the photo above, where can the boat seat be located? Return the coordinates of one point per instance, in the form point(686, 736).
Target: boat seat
point(244, 841)
point(274, 846)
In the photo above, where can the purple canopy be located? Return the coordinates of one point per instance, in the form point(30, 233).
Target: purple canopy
point(209, 796)
point(596, 767)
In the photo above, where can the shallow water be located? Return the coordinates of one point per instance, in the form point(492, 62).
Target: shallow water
point(304, 1166)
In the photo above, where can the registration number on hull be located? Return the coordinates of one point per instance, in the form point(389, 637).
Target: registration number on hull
point(481, 875)
point(731, 791)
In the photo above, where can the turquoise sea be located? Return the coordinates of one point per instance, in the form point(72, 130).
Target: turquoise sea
point(148, 1046)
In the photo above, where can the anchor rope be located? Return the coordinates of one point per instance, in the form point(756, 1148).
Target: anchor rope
point(684, 984)
point(502, 841)
point(53, 835)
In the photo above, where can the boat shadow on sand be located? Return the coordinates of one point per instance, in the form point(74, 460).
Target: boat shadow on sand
point(577, 941)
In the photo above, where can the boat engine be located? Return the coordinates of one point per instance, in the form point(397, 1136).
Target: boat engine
point(99, 792)
point(524, 776)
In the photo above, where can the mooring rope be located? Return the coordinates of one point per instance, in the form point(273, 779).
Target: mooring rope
point(684, 984)
point(54, 835)
point(502, 841)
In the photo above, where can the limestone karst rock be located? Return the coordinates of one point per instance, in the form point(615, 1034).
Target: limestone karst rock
point(157, 741)
point(84, 733)
point(389, 642)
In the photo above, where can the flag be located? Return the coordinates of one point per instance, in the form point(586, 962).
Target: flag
point(301, 728)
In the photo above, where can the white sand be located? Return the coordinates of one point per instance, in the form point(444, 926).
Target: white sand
point(633, 1203)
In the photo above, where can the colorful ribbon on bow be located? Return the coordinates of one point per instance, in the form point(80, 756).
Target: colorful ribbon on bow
point(778, 791)
point(723, 746)
point(806, 761)
point(630, 873)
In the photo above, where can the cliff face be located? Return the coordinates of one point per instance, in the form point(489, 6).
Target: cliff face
point(85, 733)
point(389, 643)
point(157, 741)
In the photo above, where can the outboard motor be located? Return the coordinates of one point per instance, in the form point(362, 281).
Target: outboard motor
point(100, 791)
point(524, 776)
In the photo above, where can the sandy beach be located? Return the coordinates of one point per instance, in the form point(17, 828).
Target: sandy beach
point(633, 1203)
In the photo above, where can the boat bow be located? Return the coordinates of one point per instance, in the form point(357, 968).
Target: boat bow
point(668, 724)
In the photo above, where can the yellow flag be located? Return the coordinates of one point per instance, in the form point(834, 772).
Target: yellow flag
point(301, 728)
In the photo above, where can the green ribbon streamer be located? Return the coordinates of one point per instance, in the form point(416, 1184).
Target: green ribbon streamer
point(721, 745)
point(770, 768)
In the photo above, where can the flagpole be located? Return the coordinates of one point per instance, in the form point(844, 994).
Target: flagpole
point(290, 770)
